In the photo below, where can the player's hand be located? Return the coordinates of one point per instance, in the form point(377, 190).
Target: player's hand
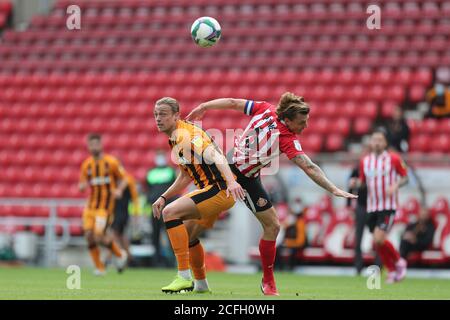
point(410, 237)
point(236, 191)
point(82, 186)
point(117, 193)
point(341, 193)
point(392, 189)
point(196, 114)
point(353, 183)
point(158, 206)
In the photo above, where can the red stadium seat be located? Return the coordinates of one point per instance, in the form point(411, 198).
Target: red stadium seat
point(444, 126)
point(368, 110)
point(414, 126)
point(311, 143)
point(421, 142)
point(387, 109)
point(334, 142)
point(404, 77)
point(76, 230)
point(440, 143)
point(362, 126)
point(70, 212)
point(417, 93)
point(340, 126)
point(430, 126)
point(423, 77)
point(321, 125)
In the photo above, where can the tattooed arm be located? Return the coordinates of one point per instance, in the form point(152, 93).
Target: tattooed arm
point(318, 176)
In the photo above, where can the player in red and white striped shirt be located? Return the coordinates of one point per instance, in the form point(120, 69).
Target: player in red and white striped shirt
point(384, 172)
point(271, 130)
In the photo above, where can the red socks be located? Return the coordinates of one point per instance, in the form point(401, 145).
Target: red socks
point(267, 251)
point(389, 256)
point(392, 252)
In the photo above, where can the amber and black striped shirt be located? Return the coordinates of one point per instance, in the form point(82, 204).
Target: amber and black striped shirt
point(187, 148)
point(102, 175)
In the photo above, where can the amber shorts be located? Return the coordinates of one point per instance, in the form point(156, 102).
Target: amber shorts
point(210, 202)
point(96, 220)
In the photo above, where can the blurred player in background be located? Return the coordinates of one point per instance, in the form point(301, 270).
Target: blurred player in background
point(158, 180)
point(203, 163)
point(359, 207)
point(122, 214)
point(271, 131)
point(106, 178)
point(384, 172)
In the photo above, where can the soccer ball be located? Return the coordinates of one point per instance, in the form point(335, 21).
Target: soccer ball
point(206, 31)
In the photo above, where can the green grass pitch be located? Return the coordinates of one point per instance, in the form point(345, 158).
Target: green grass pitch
point(39, 283)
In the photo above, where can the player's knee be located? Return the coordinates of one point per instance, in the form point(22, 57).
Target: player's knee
point(91, 243)
point(90, 239)
point(276, 228)
point(99, 239)
point(379, 239)
point(271, 230)
point(169, 213)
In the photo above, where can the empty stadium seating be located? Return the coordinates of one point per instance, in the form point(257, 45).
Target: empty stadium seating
point(58, 85)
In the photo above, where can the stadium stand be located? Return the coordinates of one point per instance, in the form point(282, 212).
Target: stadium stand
point(123, 59)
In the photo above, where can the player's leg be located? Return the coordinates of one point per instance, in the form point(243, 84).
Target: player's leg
point(204, 206)
point(267, 248)
point(121, 256)
point(103, 234)
point(181, 209)
point(257, 200)
point(360, 217)
point(118, 231)
point(197, 256)
point(388, 254)
point(94, 250)
point(115, 235)
point(270, 224)
point(379, 237)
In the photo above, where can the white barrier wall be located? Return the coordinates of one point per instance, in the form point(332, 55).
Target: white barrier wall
point(245, 230)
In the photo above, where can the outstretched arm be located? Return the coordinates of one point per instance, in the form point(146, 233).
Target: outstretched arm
point(218, 104)
point(180, 183)
point(318, 176)
point(213, 155)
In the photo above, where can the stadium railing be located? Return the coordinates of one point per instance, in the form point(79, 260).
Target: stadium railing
point(51, 242)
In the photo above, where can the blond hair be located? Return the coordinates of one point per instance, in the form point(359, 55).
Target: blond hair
point(290, 105)
point(171, 102)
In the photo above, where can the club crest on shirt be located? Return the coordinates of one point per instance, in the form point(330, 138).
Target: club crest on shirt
point(261, 202)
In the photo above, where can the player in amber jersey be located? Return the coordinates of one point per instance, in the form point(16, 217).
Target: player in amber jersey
point(203, 163)
point(105, 177)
